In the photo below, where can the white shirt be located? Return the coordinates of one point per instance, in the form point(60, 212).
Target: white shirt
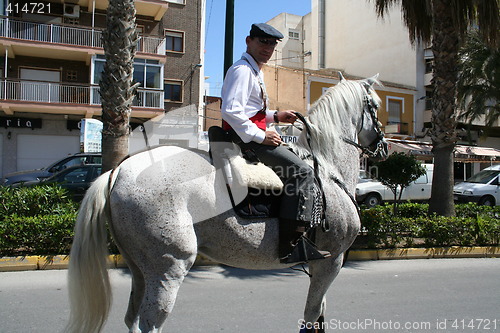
point(242, 98)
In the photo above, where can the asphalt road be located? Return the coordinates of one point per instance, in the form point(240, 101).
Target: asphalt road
point(438, 295)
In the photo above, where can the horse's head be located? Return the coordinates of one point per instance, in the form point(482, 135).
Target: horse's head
point(370, 136)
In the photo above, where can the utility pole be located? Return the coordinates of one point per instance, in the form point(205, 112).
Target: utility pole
point(229, 37)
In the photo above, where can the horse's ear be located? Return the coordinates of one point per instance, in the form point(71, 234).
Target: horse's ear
point(372, 80)
point(341, 76)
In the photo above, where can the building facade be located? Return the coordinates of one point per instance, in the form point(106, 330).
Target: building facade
point(348, 36)
point(51, 59)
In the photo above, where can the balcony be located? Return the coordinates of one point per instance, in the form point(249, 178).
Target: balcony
point(63, 93)
point(151, 8)
point(71, 39)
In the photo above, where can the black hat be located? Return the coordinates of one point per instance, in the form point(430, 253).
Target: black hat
point(264, 30)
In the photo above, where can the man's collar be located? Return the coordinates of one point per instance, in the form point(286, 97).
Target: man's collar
point(251, 61)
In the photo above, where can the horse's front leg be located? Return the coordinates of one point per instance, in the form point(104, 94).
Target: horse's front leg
point(323, 273)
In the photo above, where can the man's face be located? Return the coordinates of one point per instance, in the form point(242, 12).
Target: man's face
point(261, 48)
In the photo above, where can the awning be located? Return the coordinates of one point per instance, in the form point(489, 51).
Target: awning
point(411, 147)
point(462, 153)
point(473, 153)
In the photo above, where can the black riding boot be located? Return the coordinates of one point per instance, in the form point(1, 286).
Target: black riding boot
point(294, 246)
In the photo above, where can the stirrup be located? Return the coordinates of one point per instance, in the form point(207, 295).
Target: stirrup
point(304, 251)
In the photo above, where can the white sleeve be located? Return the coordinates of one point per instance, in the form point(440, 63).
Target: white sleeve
point(236, 91)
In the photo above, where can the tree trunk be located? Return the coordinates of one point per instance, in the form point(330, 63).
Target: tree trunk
point(445, 46)
point(116, 89)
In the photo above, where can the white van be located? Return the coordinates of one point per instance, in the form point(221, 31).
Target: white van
point(483, 188)
point(372, 193)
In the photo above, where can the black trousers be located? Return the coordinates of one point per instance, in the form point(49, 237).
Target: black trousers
point(297, 177)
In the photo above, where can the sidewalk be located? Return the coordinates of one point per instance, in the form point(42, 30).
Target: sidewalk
point(116, 261)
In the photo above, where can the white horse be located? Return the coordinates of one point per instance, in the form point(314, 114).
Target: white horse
point(167, 204)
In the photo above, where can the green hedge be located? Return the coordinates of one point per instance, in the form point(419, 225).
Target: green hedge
point(40, 221)
point(36, 220)
point(412, 226)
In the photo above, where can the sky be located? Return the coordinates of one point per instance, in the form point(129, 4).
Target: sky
point(246, 12)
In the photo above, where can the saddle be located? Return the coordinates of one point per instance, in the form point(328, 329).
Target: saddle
point(263, 200)
point(242, 170)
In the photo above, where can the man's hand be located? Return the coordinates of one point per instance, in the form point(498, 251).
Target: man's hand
point(272, 139)
point(287, 116)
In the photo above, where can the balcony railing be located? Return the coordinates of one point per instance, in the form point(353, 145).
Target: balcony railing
point(62, 93)
point(62, 34)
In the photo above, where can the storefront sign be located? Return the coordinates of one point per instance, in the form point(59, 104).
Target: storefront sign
point(21, 123)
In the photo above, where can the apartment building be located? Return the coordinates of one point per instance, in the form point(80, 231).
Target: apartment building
point(51, 59)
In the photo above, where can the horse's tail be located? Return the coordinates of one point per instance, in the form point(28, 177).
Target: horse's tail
point(88, 280)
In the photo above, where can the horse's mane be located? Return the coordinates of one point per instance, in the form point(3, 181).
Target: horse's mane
point(334, 116)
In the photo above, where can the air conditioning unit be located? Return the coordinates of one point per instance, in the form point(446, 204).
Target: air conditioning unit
point(71, 10)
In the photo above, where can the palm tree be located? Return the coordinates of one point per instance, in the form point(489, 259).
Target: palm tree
point(444, 23)
point(479, 81)
point(116, 88)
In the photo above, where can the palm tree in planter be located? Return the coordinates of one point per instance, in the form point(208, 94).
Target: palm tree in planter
point(444, 23)
point(116, 87)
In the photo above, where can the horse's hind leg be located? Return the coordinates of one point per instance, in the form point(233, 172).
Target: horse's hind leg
point(164, 271)
point(323, 273)
point(136, 293)
point(159, 296)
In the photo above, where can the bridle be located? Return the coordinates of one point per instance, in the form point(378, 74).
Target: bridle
point(370, 108)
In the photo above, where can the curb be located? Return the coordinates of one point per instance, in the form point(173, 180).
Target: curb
point(426, 253)
point(30, 263)
point(33, 263)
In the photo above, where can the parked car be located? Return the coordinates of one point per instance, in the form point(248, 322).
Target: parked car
point(373, 193)
point(364, 176)
point(483, 187)
point(39, 174)
point(75, 179)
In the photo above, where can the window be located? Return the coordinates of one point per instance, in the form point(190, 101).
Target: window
point(395, 109)
point(147, 72)
point(428, 100)
point(173, 91)
point(429, 63)
point(71, 75)
point(174, 41)
point(293, 34)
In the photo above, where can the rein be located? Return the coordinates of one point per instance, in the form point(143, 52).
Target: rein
point(324, 223)
point(371, 108)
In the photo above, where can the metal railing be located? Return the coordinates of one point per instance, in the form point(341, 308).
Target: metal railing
point(63, 93)
point(62, 34)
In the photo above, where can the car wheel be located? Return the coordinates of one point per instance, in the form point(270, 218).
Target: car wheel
point(487, 201)
point(372, 200)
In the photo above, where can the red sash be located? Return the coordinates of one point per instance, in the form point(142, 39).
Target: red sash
point(259, 119)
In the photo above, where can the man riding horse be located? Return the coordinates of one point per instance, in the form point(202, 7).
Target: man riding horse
point(245, 116)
